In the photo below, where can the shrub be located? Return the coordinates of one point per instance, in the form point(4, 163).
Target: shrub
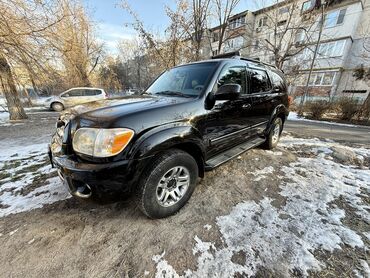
point(347, 108)
point(316, 109)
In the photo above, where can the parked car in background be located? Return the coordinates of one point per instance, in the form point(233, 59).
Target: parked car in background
point(73, 97)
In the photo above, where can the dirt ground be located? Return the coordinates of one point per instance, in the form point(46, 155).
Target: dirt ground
point(70, 238)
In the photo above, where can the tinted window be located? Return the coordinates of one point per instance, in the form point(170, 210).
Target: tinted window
point(73, 93)
point(233, 75)
point(259, 81)
point(92, 92)
point(189, 79)
point(277, 80)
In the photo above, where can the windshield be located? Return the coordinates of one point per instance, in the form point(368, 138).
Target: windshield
point(186, 81)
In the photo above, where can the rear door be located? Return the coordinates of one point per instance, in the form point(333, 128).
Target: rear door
point(72, 97)
point(260, 90)
point(92, 95)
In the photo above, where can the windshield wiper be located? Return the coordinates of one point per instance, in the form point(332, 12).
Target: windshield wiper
point(172, 93)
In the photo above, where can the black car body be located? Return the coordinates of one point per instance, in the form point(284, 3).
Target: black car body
point(229, 106)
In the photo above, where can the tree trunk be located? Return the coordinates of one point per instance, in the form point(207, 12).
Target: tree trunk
point(15, 108)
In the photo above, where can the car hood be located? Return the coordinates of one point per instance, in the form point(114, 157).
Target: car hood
point(109, 111)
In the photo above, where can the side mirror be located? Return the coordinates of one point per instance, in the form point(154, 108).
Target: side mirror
point(228, 92)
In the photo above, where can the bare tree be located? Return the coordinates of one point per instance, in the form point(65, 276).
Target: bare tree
point(75, 44)
point(223, 10)
point(284, 31)
point(22, 29)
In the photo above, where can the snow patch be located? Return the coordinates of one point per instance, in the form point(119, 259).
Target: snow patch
point(293, 116)
point(207, 227)
point(261, 174)
point(20, 167)
point(284, 239)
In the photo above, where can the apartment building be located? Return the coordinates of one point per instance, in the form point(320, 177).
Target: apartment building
point(288, 34)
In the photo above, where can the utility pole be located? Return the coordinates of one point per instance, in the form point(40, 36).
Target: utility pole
point(321, 22)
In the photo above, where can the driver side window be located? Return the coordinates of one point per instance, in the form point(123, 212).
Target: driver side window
point(233, 75)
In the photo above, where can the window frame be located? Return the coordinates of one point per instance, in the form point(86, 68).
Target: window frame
point(249, 69)
point(303, 10)
point(338, 11)
point(314, 77)
point(331, 48)
point(233, 65)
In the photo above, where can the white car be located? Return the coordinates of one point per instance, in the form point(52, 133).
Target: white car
point(73, 97)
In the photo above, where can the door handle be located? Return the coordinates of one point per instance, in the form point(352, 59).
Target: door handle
point(246, 106)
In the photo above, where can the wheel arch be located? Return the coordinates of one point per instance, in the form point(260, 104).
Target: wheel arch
point(280, 111)
point(182, 137)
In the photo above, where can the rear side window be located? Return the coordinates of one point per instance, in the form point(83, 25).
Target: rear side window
point(233, 75)
point(73, 93)
point(277, 81)
point(259, 81)
point(92, 92)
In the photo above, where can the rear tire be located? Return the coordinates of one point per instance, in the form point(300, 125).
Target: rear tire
point(167, 184)
point(57, 106)
point(274, 134)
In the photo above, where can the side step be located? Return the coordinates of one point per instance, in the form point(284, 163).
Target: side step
point(221, 158)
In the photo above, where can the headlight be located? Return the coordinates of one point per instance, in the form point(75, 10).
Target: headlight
point(101, 142)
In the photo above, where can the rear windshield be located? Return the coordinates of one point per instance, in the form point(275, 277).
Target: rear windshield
point(189, 80)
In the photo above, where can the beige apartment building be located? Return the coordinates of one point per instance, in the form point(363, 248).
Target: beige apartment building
point(288, 34)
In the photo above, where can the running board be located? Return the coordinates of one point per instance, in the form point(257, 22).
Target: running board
point(221, 158)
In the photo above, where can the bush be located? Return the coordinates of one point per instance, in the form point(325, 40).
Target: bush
point(347, 108)
point(316, 109)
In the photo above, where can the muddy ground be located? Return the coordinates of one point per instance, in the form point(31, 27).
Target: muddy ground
point(70, 238)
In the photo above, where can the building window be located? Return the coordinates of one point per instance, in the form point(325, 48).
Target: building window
point(281, 23)
point(299, 36)
point(354, 91)
point(283, 10)
point(334, 18)
point(234, 44)
point(237, 22)
point(256, 44)
point(306, 6)
point(215, 36)
point(331, 49)
point(214, 52)
point(262, 22)
point(317, 79)
point(322, 78)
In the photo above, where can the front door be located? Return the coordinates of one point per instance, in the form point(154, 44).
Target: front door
point(228, 122)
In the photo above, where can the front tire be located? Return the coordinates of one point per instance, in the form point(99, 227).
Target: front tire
point(274, 134)
point(57, 106)
point(168, 184)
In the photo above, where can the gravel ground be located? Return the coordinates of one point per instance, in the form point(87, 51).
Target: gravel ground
point(300, 210)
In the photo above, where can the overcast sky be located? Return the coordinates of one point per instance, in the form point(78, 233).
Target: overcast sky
point(111, 18)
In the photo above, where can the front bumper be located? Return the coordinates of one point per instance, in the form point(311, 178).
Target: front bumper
point(102, 181)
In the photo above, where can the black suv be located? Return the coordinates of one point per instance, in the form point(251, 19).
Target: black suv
point(191, 119)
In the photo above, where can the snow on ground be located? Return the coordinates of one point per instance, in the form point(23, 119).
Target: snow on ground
point(284, 239)
point(293, 116)
point(4, 117)
point(27, 180)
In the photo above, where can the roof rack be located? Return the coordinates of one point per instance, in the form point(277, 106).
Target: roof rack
point(236, 55)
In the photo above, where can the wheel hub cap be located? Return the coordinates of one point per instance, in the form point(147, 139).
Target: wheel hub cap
point(173, 186)
point(276, 133)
